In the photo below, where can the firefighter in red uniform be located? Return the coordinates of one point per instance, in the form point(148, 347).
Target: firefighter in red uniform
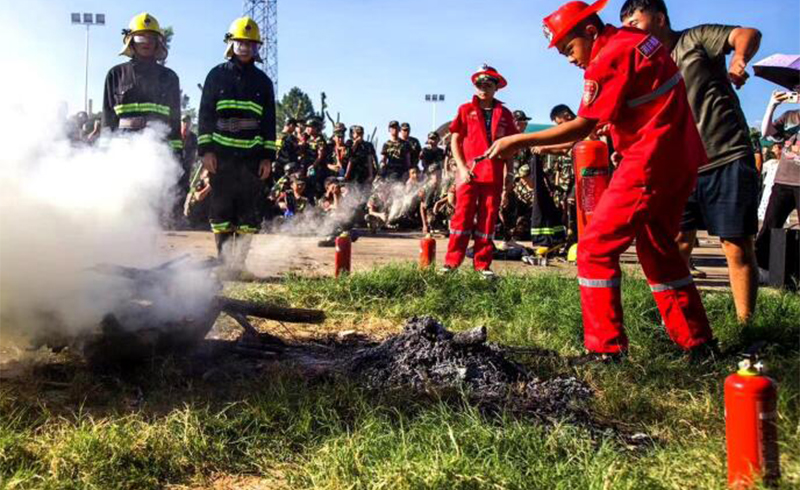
point(481, 184)
point(631, 84)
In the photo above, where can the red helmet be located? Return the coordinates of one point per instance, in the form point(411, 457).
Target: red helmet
point(489, 72)
point(560, 22)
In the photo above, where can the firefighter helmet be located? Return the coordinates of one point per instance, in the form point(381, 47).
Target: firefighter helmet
point(242, 29)
point(559, 23)
point(143, 22)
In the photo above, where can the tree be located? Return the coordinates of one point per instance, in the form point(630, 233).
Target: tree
point(186, 109)
point(295, 103)
point(169, 32)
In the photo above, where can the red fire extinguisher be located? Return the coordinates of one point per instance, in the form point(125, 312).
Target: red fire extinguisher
point(751, 426)
point(427, 251)
point(341, 262)
point(592, 175)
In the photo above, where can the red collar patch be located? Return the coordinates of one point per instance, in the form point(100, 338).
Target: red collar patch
point(590, 91)
point(649, 46)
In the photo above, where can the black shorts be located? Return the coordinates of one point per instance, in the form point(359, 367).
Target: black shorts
point(725, 201)
point(235, 189)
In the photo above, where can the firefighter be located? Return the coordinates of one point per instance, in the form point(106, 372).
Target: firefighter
point(481, 186)
point(631, 84)
point(237, 141)
point(142, 91)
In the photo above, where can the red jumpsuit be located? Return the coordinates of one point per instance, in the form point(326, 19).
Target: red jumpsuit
point(633, 84)
point(482, 195)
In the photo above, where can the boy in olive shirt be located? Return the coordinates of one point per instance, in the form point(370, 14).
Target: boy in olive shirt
point(725, 201)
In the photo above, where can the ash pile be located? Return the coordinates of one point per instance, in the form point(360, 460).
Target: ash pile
point(426, 357)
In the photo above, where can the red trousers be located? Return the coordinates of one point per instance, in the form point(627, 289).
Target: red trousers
point(638, 206)
point(472, 198)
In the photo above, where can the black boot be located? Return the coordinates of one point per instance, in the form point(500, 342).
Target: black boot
point(223, 242)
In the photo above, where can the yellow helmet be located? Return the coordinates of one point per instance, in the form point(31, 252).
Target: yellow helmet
point(143, 22)
point(572, 254)
point(244, 28)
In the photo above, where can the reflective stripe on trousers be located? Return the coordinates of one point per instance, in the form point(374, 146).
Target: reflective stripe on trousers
point(224, 227)
point(600, 283)
point(548, 231)
point(669, 286)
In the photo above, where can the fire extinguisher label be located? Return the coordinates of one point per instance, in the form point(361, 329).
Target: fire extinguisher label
point(768, 440)
point(768, 416)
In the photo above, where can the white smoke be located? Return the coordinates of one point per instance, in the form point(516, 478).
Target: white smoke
point(67, 208)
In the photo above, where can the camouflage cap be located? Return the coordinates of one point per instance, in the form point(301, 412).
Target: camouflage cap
point(339, 127)
point(433, 135)
point(394, 124)
point(314, 122)
point(405, 125)
point(521, 116)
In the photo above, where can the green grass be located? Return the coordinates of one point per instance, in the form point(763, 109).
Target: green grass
point(312, 434)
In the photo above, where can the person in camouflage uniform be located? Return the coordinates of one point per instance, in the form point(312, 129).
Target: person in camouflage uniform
point(288, 147)
point(337, 153)
point(514, 222)
point(395, 155)
point(359, 158)
point(414, 148)
point(432, 154)
point(313, 157)
point(560, 172)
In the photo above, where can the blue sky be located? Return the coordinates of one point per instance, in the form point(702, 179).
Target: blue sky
point(375, 59)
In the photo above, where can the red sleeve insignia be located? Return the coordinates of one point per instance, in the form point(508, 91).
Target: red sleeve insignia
point(590, 91)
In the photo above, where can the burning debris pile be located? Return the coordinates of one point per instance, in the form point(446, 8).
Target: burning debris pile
point(427, 357)
point(168, 309)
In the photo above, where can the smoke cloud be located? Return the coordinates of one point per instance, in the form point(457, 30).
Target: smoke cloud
point(66, 209)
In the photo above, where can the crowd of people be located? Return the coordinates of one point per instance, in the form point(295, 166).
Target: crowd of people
point(406, 186)
point(663, 101)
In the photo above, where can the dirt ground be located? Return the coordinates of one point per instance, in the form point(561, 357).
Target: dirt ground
point(273, 256)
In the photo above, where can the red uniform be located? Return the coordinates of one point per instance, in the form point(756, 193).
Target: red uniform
point(482, 195)
point(633, 84)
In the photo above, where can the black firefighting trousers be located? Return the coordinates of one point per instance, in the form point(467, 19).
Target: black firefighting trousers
point(547, 227)
point(235, 191)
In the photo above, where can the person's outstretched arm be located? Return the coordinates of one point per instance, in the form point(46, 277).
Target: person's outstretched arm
point(575, 130)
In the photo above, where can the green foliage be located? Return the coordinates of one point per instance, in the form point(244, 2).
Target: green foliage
point(333, 434)
point(295, 103)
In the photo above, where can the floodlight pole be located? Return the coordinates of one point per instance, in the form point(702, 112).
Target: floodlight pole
point(433, 99)
point(86, 75)
point(88, 20)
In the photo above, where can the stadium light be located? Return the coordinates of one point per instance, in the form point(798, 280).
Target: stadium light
point(433, 99)
point(88, 20)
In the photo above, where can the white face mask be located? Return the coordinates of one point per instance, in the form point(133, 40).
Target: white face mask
point(144, 39)
point(243, 48)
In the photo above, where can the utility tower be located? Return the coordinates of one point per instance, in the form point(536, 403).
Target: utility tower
point(265, 13)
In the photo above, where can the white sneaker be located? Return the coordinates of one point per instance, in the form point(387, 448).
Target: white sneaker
point(488, 274)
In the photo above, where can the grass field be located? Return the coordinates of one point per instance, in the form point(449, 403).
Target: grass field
point(157, 428)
